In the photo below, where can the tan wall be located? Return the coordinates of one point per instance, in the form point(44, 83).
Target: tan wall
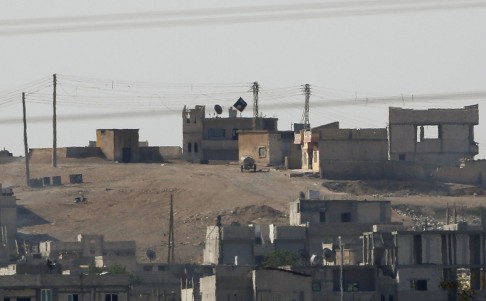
point(249, 144)
point(274, 285)
point(106, 141)
point(434, 116)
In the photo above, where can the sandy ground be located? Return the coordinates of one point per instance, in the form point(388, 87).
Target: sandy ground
point(131, 201)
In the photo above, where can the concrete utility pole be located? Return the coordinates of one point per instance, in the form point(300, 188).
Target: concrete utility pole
point(220, 239)
point(256, 89)
point(54, 122)
point(170, 253)
point(341, 251)
point(307, 93)
point(26, 146)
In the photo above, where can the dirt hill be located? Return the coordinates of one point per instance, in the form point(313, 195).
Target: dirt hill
point(131, 201)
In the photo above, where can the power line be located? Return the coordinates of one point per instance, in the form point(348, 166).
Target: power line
point(236, 15)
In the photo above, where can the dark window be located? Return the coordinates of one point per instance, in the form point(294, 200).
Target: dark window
point(316, 286)
point(401, 157)
point(390, 298)
point(298, 207)
point(322, 217)
point(161, 268)
point(382, 298)
point(72, 297)
point(189, 147)
point(262, 152)
point(6, 299)
point(417, 249)
point(418, 285)
point(216, 133)
point(258, 240)
point(346, 217)
point(353, 287)
point(234, 134)
point(111, 297)
point(195, 147)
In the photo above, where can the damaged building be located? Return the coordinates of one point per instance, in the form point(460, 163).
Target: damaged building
point(433, 136)
point(433, 144)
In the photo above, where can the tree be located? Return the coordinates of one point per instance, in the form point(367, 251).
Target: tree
point(280, 258)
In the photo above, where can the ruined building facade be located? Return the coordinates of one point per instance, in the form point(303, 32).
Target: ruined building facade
point(433, 136)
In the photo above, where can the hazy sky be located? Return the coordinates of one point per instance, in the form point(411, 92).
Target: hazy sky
point(196, 55)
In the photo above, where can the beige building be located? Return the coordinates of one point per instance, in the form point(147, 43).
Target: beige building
point(433, 136)
point(270, 148)
point(119, 144)
point(216, 138)
point(8, 226)
point(341, 153)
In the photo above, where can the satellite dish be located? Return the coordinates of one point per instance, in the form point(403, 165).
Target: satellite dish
point(218, 109)
point(150, 254)
point(316, 260)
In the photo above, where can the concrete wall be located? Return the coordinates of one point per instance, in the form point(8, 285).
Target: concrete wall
point(8, 228)
point(455, 139)
point(277, 146)
point(83, 152)
point(228, 283)
point(160, 153)
point(432, 274)
point(88, 287)
point(303, 211)
point(269, 285)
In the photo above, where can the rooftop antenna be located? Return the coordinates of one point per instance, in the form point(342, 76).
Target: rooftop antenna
point(256, 89)
point(170, 253)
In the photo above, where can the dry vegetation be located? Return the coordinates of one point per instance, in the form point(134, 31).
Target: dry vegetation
point(131, 201)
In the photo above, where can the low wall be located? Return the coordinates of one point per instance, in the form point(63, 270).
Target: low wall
point(84, 152)
point(473, 173)
point(160, 153)
point(373, 170)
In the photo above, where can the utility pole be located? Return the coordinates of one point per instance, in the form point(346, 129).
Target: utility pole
point(54, 122)
point(26, 146)
point(220, 239)
point(170, 254)
point(307, 93)
point(256, 89)
point(341, 251)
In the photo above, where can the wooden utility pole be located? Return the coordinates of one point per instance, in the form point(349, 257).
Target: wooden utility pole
point(54, 122)
point(170, 253)
point(26, 146)
point(256, 89)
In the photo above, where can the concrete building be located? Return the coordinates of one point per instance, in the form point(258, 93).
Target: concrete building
point(313, 222)
point(49, 287)
point(216, 138)
point(433, 136)
point(270, 148)
point(308, 141)
point(430, 265)
point(339, 153)
point(90, 250)
point(232, 245)
point(119, 144)
point(8, 226)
